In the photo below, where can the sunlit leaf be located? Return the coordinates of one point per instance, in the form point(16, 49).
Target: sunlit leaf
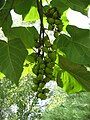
point(32, 15)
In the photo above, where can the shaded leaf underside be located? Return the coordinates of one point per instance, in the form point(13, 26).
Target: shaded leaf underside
point(79, 72)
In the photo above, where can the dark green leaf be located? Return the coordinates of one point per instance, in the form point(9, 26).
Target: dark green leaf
point(2, 2)
point(59, 80)
point(60, 5)
point(12, 56)
point(79, 72)
point(24, 7)
point(63, 5)
point(76, 47)
point(27, 35)
point(5, 19)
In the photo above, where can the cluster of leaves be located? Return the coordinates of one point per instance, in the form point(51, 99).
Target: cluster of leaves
point(75, 47)
point(16, 102)
point(72, 107)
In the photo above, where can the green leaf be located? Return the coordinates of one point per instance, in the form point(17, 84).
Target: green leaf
point(79, 5)
point(32, 15)
point(63, 5)
point(32, 57)
point(2, 2)
point(79, 72)
point(8, 5)
point(70, 84)
point(27, 35)
point(24, 7)
point(12, 56)
point(59, 80)
point(5, 19)
point(76, 47)
point(60, 5)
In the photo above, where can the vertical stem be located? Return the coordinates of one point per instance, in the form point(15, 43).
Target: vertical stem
point(40, 11)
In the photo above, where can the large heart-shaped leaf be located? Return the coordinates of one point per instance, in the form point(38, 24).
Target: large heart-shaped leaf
point(79, 72)
point(76, 47)
point(12, 56)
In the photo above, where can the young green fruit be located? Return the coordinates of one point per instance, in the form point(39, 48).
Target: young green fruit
point(50, 20)
point(35, 81)
point(46, 38)
point(34, 88)
point(55, 15)
point(42, 96)
point(46, 79)
point(57, 22)
point(47, 43)
point(52, 10)
point(47, 59)
point(50, 65)
point(56, 34)
point(52, 56)
point(32, 57)
point(60, 27)
point(50, 27)
point(45, 49)
point(37, 44)
point(42, 66)
point(41, 85)
point(40, 77)
point(39, 59)
point(46, 90)
point(53, 47)
point(50, 76)
point(41, 71)
point(48, 70)
point(35, 70)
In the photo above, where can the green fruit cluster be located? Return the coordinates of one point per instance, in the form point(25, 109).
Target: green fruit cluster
point(43, 68)
point(53, 19)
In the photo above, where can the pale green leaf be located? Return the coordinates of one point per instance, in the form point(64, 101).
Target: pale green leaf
point(70, 85)
point(32, 15)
